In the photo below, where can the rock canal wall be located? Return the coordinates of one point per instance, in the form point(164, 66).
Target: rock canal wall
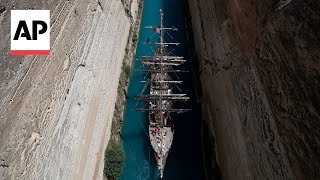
point(56, 110)
point(259, 69)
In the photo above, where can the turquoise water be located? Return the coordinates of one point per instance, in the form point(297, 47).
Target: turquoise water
point(185, 158)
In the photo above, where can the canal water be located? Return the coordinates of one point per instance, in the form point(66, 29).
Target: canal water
point(185, 157)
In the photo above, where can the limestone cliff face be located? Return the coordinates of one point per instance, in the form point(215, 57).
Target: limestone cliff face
point(259, 64)
point(56, 110)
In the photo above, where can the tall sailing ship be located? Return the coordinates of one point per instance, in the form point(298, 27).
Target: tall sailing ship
point(161, 96)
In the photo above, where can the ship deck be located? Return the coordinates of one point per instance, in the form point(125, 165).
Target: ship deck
point(161, 139)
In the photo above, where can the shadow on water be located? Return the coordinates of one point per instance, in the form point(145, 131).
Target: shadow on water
point(185, 160)
point(185, 157)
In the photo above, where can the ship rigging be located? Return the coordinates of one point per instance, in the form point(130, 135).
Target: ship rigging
point(161, 97)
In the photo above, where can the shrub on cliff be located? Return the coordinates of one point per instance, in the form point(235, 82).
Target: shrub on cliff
point(114, 160)
point(126, 69)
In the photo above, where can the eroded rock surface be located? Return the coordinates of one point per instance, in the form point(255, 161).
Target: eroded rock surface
point(56, 110)
point(260, 71)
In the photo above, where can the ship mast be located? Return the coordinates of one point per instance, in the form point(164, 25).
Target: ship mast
point(161, 33)
point(161, 66)
point(161, 97)
point(164, 66)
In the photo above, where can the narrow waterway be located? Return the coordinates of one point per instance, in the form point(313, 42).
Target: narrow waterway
point(185, 157)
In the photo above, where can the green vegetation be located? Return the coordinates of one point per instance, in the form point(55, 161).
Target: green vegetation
point(134, 38)
point(114, 160)
point(126, 69)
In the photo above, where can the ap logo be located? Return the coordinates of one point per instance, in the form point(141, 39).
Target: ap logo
point(30, 32)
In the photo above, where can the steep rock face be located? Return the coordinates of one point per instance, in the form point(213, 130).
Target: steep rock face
point(259, 65)
point(56, 110)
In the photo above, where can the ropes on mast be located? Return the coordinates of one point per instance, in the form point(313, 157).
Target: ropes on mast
point(162, 91)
